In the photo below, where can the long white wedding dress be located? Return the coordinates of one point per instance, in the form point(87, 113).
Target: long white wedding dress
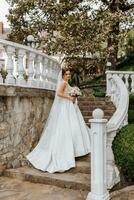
point(65, 136)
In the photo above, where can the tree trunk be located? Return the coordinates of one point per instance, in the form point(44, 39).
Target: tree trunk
point(113, 39)
point(113, 45)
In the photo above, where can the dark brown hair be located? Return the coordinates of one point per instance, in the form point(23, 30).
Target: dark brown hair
point(64, 70)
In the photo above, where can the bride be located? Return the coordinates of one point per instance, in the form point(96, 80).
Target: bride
point(65, 135)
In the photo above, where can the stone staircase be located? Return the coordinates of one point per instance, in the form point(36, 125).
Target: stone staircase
point(71, 185)
point(75, 179)
point(88, 104)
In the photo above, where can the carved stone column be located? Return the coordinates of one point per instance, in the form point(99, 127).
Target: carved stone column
point(38, 70)
point(45, 73)
point(31, 58)
point(132, 83)
point(10, 65)
point(98, 157)
point(20, 68)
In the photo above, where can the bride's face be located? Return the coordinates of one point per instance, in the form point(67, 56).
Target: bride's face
point(67, 75)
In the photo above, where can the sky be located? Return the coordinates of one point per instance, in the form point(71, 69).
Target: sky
point(4, 11)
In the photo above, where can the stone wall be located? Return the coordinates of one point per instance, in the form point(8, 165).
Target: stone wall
point(23, 113)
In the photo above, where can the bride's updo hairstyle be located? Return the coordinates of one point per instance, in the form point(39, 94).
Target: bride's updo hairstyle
point(64, 70)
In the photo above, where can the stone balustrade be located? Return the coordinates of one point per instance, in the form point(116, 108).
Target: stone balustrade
point(98, 157)
point(104, 173)
point(26, 67)
point(126, 76)
point(118, 84)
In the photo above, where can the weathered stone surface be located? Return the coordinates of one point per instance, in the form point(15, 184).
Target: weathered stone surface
point(23, 113)
point(123, 194)
point(70, 185)
point(16, 163)
point(2, 168)
point(4, 129)
point(69, 180)
point(13, 189)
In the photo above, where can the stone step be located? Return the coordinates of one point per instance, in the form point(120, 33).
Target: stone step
point(88, 104)
point(89, 113)
point(15, 189)
point(81, 167)
point(75, 181)
point(84, 158)
point(95, 103)
point(92, 107)
point(93, 98)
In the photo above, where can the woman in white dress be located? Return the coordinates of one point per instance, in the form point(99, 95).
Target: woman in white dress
point(65, 135)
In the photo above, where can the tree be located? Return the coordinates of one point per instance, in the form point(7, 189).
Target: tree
point(130, 43)
point(73, 27)
point(124, 7)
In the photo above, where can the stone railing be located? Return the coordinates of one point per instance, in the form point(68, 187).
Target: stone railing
point(118, 84)
point(126, 76)
point(104, 173)
point(99, 189)
point(26, 67)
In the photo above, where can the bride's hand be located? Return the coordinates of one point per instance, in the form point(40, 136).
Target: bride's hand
point(73, 99)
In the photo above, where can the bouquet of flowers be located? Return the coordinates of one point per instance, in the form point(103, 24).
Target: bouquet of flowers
point(75, 92)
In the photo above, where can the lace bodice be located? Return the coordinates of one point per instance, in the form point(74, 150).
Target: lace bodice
point(67, 89)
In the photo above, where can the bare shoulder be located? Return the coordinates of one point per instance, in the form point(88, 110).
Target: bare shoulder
point(64, 83)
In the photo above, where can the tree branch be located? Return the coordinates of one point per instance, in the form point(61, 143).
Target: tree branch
point(105, 2)
point(128, 7)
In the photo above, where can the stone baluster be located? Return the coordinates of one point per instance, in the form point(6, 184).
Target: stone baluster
point(126, 80)
point(1, 79)
point(113, 176)
point(121, 76)
point(49, 71)
point(31, 57)
point(10, 65)
point(37, 66)
point(52, 75)
point(109, 84)
point(24, 70)
point(20, 68)
point(56, 72)
point(46, 73)
point(2, 65)
point(98, 157)
point(113, 89)
point(132, 83)
point(118, 96)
